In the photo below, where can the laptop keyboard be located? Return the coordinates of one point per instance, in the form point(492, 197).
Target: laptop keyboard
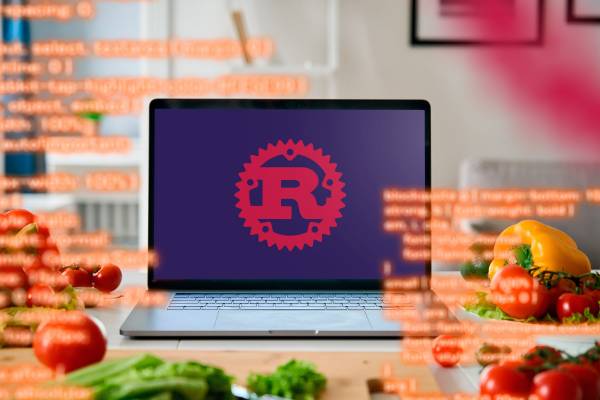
point(284, 301)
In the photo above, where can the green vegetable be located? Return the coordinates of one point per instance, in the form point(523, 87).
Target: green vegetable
point(185, 388)
point(148, 377)
point(297, 380)
point(523, 256)
point(578, 318)
point(486, 309)
point(98, 373)
point(475, 269)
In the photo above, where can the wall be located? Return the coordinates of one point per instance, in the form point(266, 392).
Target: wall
point(471, 115)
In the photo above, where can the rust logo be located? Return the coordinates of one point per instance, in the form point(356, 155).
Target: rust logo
point(290, 195)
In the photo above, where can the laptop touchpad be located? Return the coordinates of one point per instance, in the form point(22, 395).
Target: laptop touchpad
point(233, 320)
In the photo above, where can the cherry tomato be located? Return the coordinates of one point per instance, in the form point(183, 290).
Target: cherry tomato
point(592, 357)
point(3, 224)
point(542, 358)
point(78, 277)
point(571, 303)
point(50, 255)
point(556, 385)
point(72, 342)
point(562, 286)
point(13, 277)
point(518, 294)
point(587, 377)
point(17, 219)
point(446, 350)
point(40, 273)
point(521, 366)
point(497, 380)
point(17, 336)
point(108, 278)
point(593, 293)
point(41, 295)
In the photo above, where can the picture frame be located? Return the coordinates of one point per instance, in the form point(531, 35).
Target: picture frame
point(583, 11)
point(434, 23)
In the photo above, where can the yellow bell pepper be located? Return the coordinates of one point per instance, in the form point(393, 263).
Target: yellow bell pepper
point(551, 249)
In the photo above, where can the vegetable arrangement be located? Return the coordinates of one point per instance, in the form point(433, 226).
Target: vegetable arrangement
point(546, 373)
point(40, 281)
point(149, 377)
point(547, 279)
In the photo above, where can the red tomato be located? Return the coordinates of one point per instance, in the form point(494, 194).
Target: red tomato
point(587, 377)
point(50, 255)
point(17, 219)
point(446, 350)
point(3, 224)
point(518, 294)
point(556, 385)
point(78, 277)
point(542, 357)
point(571, 303)
point(41, 295)
point(562, 286)
point(13, 277)
point(40, 273)
point(108, 278)
point(593, 293)
point(70, 343)
point(521, 366)
point(499, 380)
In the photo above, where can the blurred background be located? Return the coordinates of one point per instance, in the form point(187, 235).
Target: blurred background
point(388, 49)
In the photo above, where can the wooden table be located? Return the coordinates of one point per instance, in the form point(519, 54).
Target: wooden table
point(350, 375)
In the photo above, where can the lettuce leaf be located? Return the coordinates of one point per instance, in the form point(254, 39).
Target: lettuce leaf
point(486, 309)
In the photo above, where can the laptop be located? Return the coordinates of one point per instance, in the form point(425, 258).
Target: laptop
point(267, 215)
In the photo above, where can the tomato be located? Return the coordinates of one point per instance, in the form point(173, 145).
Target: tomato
point(69, 343)
point(13, 277)
point(17, 219)
point(446, 350)
point(593, 293)
point(497, 380)
point(587, 378)
point(542, 357)
point(78, 277)
point(41, 295)
point(17, 336)
point(108, 278)
point(519, 294)
point(562, 286)
point(50, 255)
point(521, 366)
point(40, 273)
point(571, 303)
point(556, 385)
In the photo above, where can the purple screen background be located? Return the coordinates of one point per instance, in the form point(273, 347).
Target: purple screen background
point(200, 152)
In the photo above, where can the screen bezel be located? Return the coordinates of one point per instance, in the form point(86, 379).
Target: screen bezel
point(275, 284)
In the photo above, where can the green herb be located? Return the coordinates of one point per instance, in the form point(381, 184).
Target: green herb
point(523, 256)
point(297, 380)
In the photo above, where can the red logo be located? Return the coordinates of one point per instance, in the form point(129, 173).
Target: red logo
point(290, 195)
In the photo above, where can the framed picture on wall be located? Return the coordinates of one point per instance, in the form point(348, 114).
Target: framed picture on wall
point(583, 11)
point(456, 22)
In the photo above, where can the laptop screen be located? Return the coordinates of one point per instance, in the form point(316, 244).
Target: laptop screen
point(281, 193)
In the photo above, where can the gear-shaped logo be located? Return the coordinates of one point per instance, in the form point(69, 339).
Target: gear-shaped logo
point(290, 195)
